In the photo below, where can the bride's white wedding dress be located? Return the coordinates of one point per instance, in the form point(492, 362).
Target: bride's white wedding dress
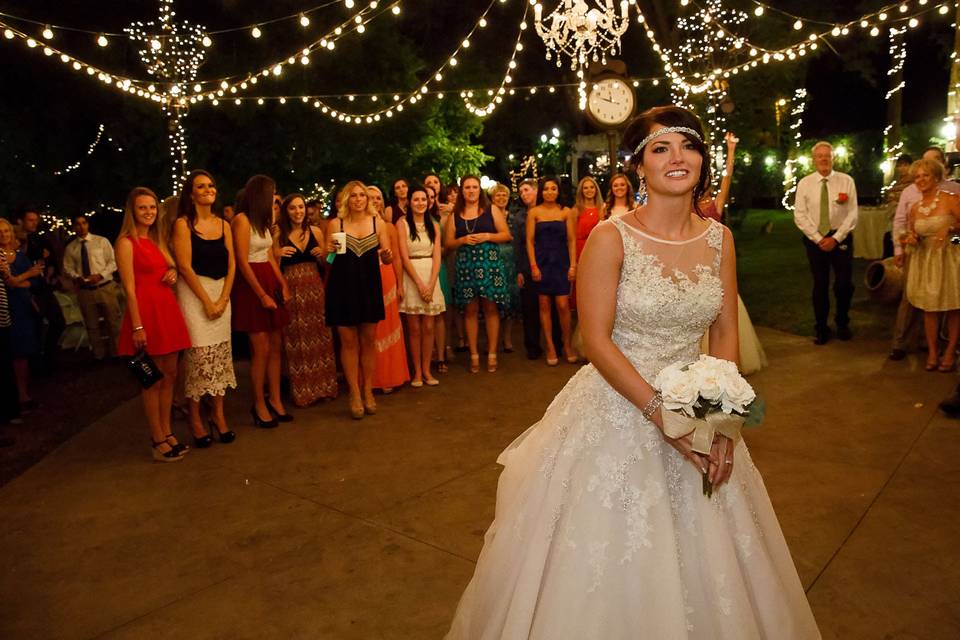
point(602, 531)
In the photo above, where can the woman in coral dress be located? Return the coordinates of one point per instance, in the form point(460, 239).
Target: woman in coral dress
point(152, 322)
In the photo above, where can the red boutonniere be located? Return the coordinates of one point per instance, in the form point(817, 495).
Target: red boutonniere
point(842, 198)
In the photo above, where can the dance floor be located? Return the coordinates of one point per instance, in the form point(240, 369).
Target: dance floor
point(336, 529)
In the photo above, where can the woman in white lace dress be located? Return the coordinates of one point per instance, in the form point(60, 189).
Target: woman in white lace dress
point(602, 530)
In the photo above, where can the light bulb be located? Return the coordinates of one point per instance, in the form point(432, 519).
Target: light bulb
point(255, 32)
point(47, 33)
point(102, 40)
point(304, 20)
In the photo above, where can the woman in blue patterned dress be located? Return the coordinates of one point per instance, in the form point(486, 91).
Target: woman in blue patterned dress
point(475, 235)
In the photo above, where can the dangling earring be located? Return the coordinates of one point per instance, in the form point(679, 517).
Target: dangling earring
point(642, 191)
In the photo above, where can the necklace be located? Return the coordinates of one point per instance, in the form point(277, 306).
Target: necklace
point(926, 210)
point(466, 224)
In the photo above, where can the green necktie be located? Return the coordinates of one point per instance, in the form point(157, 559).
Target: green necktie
point(824, 227)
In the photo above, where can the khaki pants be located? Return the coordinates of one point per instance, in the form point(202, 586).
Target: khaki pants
point(101, 303)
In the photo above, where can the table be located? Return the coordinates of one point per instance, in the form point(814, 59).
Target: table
point(872, 223)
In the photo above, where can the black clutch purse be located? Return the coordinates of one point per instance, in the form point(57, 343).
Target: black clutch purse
point(144, 369)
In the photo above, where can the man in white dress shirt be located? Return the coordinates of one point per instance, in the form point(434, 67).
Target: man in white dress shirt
point(826, 212)
point(90, 263)
point(907, 325)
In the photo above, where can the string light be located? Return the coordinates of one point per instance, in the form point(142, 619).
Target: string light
point(799, 105)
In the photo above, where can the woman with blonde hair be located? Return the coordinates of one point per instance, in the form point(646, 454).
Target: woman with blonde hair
point(621, 198)
point(933, 279)
point(354, 303)
point(391, 370)
point(153, 322)
point(589, 209)
point(500, 200)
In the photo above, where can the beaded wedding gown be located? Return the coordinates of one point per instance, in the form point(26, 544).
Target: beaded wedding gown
point(602, 531)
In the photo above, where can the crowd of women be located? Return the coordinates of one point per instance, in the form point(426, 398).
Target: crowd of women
point(401, 284)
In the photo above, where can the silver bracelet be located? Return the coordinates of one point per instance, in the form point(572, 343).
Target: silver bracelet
point(652, 406)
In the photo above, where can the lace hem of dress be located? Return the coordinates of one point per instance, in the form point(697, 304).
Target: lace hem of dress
point(208, 371)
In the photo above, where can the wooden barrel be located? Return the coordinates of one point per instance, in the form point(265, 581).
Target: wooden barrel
point(884, 281)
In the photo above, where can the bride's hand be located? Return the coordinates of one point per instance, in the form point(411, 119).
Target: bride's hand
point(721, 460)
point(684, 445)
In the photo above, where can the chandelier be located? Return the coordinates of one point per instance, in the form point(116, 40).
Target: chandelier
point(581, 32)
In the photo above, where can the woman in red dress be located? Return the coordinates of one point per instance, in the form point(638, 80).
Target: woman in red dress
point(152, 322)
point(590, 210)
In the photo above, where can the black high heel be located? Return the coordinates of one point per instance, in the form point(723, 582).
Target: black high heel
point(260, 422)
point(165, 456)
point(226, 437)
point(179, 449)
point(203, 442)
point(279, 417)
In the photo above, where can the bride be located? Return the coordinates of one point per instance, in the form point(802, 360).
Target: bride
point(602, 531)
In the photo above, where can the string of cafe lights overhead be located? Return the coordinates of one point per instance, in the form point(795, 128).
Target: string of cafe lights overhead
point(102, 38)
point(698, 82)
point(497, 96)
point(153, 54)
point(394, 103)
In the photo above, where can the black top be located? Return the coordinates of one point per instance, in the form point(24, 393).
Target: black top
point(299, 255)
point(210, 257)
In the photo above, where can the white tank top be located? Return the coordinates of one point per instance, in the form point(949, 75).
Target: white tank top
point(260, 246)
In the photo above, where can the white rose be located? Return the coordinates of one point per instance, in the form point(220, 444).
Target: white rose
point(710, 381)
point(680, 393)
point(737, 394)
point(668, 374)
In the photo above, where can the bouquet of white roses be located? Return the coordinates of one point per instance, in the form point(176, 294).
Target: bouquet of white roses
point(705, 397)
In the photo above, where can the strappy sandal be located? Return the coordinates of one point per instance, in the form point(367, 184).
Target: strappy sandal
point(491, 363)
point(475, 363)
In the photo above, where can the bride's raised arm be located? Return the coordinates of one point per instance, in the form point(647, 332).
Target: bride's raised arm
point(725, 332)
point(598, 275)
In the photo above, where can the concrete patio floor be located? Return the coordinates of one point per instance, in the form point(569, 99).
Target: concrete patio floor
point(335, 529)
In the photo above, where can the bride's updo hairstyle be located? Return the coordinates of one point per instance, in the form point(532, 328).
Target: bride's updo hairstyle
point(670, 116)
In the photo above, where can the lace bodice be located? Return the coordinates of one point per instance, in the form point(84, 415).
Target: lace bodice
point(668, 296)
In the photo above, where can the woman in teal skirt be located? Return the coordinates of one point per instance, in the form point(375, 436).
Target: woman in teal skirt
point(477, 233)
point(500, 195)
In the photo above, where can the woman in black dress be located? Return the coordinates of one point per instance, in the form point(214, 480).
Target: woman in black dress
point(354, 301)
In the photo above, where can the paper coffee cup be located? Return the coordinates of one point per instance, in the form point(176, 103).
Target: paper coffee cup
point(340, 237)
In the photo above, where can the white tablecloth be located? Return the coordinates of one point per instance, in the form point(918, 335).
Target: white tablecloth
point(872, 223)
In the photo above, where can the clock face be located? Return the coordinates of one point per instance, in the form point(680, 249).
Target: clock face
point(611, 101)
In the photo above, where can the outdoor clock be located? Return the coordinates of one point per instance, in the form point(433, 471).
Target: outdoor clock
point(610, 101)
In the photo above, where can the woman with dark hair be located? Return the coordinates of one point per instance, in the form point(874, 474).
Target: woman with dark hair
point(399, 202)
point(354, 302)
point(440, 325)
point(153, 322)
point(475, 234)
point(551, 247)
point(307, 340)
point(259, 298)
point(620, 199)
point(454, 322)
point(602, 527)
point(422, 298)
point(203, 248)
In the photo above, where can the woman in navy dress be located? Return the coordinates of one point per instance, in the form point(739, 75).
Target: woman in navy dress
point(552, 248)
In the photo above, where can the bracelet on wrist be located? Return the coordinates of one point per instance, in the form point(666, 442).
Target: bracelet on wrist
point(651, 407)
point(140, 328)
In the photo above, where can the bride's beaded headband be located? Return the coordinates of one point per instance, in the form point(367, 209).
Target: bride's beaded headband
point(664, 131)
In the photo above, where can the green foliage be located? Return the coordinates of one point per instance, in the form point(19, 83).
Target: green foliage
point(445, 145)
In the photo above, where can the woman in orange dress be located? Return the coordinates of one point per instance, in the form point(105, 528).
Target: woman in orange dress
point(392, 370)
